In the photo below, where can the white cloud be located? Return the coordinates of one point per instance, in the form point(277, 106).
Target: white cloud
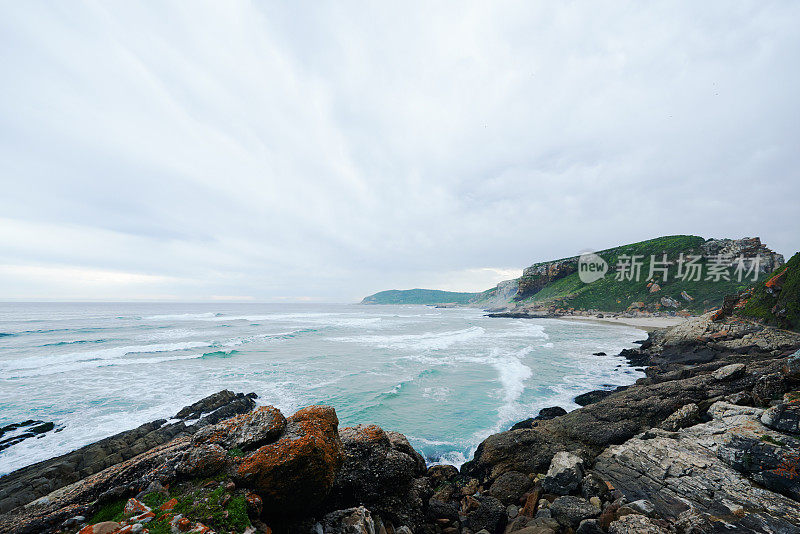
point(328, 151)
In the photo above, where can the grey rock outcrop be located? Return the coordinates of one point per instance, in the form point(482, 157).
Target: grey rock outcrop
point(708, 469)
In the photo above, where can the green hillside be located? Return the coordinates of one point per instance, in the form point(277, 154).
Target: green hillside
point(418, 296)
point(776, 300)
point(610, 294)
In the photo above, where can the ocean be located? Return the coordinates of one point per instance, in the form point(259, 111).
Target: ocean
point(445, 377)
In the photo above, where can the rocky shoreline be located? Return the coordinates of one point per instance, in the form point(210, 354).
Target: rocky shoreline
point(708, 441)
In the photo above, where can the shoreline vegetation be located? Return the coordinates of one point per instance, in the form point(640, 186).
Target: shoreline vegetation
point(708, 441)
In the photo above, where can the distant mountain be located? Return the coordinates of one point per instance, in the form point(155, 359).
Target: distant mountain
point(419, 296)
point(689, 274)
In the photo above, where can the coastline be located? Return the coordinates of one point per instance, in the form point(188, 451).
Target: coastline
point(714, 392)
point(646, 323)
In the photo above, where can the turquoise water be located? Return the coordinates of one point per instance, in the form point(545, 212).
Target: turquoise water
point(446, 378)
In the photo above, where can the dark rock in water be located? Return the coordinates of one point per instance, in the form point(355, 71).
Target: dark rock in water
point(569, 511)
point(218, 406)
point(490, 515)
point(597, 395)
point(510, 486)
point(545, 414)
point(384, 473)
point(598, 354)
point(24, 430)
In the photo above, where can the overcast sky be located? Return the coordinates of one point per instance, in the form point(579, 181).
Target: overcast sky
point(304, 150)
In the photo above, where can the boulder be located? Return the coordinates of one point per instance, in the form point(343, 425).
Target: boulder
point(296, 472)
point(635, 524)
point(383, 472)
point(569, 511)
point(246, 431)
point(510, 486)
point(729, 372)
point(489, 515)
point(685, 416)
point(783, 418)
point(589, 526)
point(564, 475)
point(357, 520)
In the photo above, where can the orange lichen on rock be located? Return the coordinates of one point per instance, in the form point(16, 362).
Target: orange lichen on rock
point(135, 507)
point(169, 505)
point(297, 471)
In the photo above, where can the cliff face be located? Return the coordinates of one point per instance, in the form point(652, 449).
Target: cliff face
point(665, 285)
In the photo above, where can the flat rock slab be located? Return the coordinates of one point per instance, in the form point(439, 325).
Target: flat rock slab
point(705, 468)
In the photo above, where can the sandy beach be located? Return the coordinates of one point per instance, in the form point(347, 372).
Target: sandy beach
point(645, 323)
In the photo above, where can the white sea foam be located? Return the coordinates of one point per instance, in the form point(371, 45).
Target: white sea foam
point(36, 362)
point(424, 342)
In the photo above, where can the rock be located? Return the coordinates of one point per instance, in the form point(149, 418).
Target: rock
point(531, 502)
point(569, 511)
point(204, 461)
point(135, 507)
point(596, 502)
point(594, 486)
point(490, 515)
point(545, 414)
point(441, 473)
point(635, 524)
point(783, 418)
point(792, 367)
point(655, 288)
point(296, 472)
point(686, 416)
point(564, 475)
point(729, 372)
point(442, 510)
point(105, 527)
point(642, 506)
point(510, 486)
point(710, 468)
point(356, 520)
point(589, 526)
point(383, 472)
point(669, 302)
point(768, 388)
point(246, 431)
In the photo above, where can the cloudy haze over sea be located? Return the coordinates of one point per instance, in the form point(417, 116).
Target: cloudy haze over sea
point(286, 151)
